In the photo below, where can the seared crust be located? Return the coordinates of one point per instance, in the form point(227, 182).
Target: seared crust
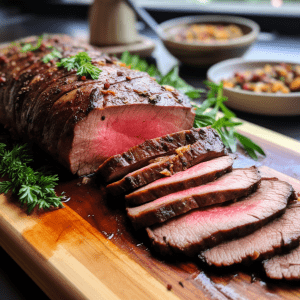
point(186, 157)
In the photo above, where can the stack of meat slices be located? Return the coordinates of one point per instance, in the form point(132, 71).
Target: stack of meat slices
point(183, 190)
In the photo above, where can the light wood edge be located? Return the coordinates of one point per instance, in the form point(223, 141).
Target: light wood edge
point(63, 275)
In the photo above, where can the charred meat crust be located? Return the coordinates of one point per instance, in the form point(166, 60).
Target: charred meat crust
point(187, 156)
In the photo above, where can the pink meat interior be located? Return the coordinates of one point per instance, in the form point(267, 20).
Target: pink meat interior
point(114, 130)
point(231, 180)
point(196, 170)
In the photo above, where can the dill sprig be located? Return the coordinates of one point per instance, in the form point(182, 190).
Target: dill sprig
point(207, 112)
point(33, 188)
point(82, 63)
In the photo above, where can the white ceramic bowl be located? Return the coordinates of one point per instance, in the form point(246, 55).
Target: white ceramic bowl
point(203, 54)
point(249, 101)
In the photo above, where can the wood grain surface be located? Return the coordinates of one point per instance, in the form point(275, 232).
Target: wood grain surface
point(88, 249)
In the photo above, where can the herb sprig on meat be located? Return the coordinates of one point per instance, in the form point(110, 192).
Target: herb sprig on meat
point(29, 47)
point(51, 56)
point(33, 188)
point(82, 63)
point(208, 113)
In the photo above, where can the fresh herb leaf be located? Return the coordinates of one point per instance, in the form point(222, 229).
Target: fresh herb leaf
point(51, 56)
point(281, 78)
point(225, 125)
point(29, 47)
point(207, 113)
point(67, 63)
point(88, 69)
point(82, 63)
point(247, 143)
point(172, 78)
point(32, 187)
point(137, 63)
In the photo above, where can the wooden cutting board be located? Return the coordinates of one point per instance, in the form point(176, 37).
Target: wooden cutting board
point(88, 250)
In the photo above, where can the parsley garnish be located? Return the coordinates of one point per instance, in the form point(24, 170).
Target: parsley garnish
point(207, 113)
point(32, 187)
point(82, 63)
point(51, 56)
point(28, 47)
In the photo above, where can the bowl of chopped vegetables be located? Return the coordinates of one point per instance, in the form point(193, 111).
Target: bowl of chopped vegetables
point(205, 40)
point(261, 87)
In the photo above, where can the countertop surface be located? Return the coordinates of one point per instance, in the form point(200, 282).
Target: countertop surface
point(14, 283)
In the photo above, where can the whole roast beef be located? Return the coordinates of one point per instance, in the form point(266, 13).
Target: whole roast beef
point(79, 121)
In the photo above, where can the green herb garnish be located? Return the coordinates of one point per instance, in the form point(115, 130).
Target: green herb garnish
point(82, 63)
point(51, 56)
point(224, 125)
point(281, 78)
point(33, 188)
point(207, 113)
point(29, 47)
point(171, 78)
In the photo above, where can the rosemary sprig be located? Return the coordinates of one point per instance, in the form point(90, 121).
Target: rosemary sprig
point(82, 63)
point(33, 188)
point(207, 113)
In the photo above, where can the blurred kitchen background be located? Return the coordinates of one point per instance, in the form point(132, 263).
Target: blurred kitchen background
point(279, 21)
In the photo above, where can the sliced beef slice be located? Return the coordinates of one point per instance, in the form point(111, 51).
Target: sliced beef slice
point(197, 175)
point(201, 229)
point(231, 186)
point(157, 169)
point(186, 157)
point(284, 266)
point(138, 156)
point(280, 235)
